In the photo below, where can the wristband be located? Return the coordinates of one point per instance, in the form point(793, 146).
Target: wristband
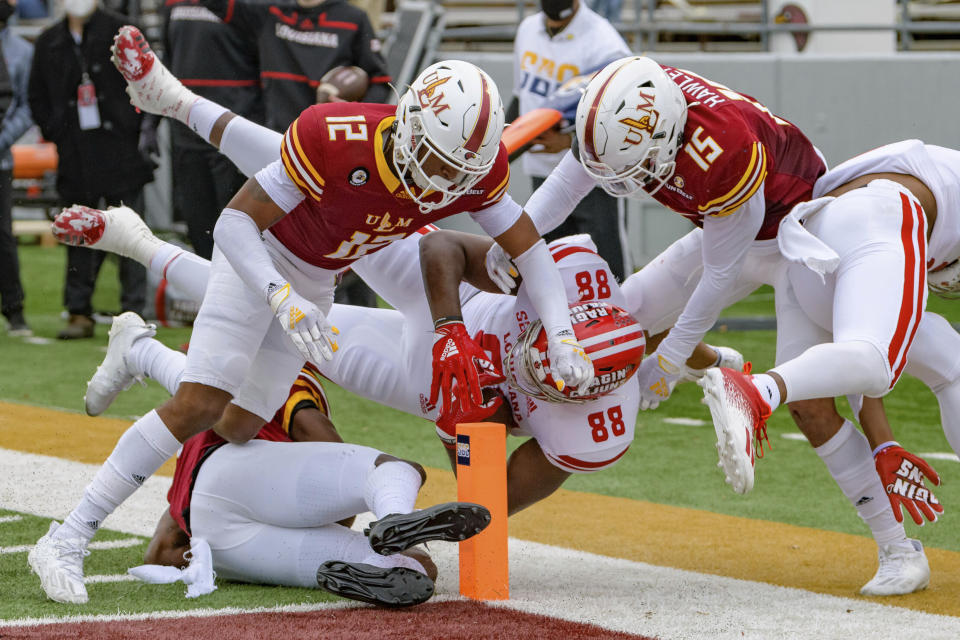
point(442, 320)
point(885, 445)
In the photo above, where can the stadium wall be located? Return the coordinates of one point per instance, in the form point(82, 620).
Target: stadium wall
point(845, 104)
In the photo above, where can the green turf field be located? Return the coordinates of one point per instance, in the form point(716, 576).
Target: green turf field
point(668, 463)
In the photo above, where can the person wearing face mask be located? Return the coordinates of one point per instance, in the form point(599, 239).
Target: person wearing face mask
point(78, 99)
point(298, 44)
point(566, 40)
point(15, 55)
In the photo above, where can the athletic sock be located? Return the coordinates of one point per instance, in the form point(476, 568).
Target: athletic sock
point(768, 388)
point(141, 450)
point(156, 360)
point(203, 115)
point(186, 271)
point(849, 459)
point(392, 487)
point(250, 146)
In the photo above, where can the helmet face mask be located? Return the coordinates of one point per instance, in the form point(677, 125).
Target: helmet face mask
point(630, 127)
point(609, 335)
point(447, 133)
point(945, 281)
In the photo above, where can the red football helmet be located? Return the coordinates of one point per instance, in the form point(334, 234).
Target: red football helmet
point(610, 336)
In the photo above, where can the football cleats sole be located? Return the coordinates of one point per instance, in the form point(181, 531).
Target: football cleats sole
point(448, 521)
point(394, 587)
point(737, 416)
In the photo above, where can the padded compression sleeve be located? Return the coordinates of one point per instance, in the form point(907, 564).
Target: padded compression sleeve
point(536, 265)
point(237, 236)
point(556, 198)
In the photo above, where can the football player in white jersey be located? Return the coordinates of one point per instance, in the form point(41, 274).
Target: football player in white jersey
point(889, 215)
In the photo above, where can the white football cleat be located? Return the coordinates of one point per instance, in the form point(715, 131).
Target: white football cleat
point(150, 85)
point(59, 563)
point(114, 375)
point(116, 230)
point(729, 358)
point(739, 415)
point(903, 569)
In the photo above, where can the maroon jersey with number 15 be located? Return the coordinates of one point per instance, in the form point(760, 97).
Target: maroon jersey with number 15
point(354, 204)
point(734, 146)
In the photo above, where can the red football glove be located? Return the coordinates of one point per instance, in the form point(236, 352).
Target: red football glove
point(902, 474)
point(460, 371)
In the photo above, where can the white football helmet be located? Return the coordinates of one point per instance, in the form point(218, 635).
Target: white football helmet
point(630, 126)
point(451, 117)
point(945, 281)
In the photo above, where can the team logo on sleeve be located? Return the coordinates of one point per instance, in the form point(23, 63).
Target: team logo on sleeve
point(678, 182)
point(359, 177)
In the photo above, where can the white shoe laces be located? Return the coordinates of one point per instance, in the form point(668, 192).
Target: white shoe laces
point(70, 557)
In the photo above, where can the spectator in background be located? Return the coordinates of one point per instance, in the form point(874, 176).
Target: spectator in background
point(78, 99)
point(299, 43)
point(566, 39)
point(218, 63)
point(15, 55)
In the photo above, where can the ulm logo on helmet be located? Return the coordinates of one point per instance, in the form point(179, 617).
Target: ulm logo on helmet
point(426, 96)
point(647, 122)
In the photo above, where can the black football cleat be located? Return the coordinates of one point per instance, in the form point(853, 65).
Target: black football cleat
point(394, 587)
point(449, 521)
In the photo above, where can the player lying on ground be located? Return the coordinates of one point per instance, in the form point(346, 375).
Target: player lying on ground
point(643, 154)
point(270, 508)
point(352, 179)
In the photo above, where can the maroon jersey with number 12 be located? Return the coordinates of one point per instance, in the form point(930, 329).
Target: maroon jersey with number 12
point(354, 204)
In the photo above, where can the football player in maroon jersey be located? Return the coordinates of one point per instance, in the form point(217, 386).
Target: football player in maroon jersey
point(352, 179)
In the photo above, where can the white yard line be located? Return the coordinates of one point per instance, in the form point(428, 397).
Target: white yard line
point(116, 577)
point(950, 457)
point(686, 422)
point(93, 546)
point(617, 594)
point(10, 519)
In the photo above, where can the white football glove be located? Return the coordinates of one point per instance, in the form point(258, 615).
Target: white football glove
point(569, 363)
point(500, 268)
point(303, 321)
point(658, 376)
